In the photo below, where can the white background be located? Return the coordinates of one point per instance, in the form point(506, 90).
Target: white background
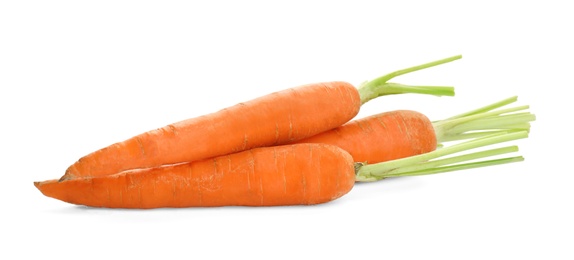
point(78, 76)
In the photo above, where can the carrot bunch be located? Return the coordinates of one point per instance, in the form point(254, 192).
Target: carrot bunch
point(303, 150)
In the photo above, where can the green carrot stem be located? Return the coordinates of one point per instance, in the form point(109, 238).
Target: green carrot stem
point(476, 134)
point(492, 125)
point(500, 122)
point(380, 86)
point(452, 160)
point(445, 125)
point(393, 74)
point(378, 171)
point(396, 88)
point(459, 167)
point(484, 118)
point(490, 107)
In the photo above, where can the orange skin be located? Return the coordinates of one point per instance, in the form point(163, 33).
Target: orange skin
point(382, 137)
point(300, 174)
point(274, 119)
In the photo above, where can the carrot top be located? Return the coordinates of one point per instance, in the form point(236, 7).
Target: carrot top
point(380, 86)
point(471, 124)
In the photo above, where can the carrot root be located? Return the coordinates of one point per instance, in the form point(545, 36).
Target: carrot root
point(300, 174)
point(281, 117)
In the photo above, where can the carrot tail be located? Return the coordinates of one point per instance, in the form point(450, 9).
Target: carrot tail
point(380, 86)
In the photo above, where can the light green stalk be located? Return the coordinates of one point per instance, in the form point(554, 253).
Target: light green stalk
point(425, 164)
point(380, 86)
point(484, 121)
point(490, 107)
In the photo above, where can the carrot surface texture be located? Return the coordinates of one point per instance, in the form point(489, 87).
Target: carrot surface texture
point(297, 174)
point(279, 175)
point(403, 133)
point(274, 119)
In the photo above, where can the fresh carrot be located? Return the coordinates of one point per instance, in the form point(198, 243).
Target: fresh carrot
point(382, 137)
point(298, 174)
point(280, 175)
point(274, 119)
point(404, 133)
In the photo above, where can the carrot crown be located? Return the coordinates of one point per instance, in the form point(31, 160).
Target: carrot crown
point(380, 86)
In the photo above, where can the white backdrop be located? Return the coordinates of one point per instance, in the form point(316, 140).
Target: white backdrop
point(78, 76)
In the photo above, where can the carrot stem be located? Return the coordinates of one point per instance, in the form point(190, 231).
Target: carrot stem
point(393, 74)
point(486, 118)
point(490, 107)
point(423, 164)
point(501, 122)
point(396, 88)
point(470, 135)
point(452, 160)
point(380, 86)
point(459, 167)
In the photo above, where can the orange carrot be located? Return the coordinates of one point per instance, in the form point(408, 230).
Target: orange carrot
point(403, 133)
point(382, 137)
point(280, 175)
point(274, 119)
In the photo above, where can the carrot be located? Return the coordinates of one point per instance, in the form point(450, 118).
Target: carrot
point(298, 174)
point(403, 133)
point(382, 137)
point(274, 119)
point(280, 175)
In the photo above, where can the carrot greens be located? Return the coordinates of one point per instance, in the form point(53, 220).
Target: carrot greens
point(380, 86)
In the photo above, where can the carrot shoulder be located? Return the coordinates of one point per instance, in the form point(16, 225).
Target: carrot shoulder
point(280, 175)
point(274, 119)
